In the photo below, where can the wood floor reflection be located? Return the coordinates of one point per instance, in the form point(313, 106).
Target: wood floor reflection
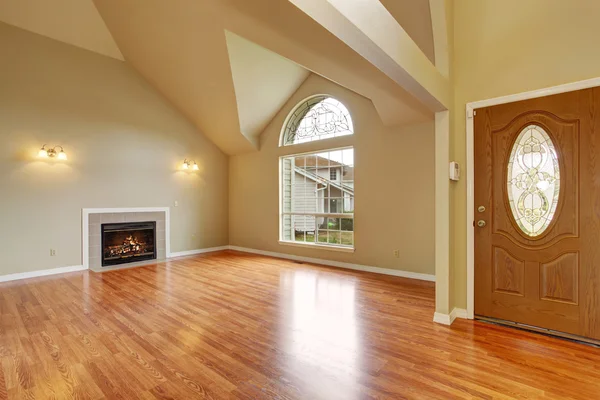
point(232, 325)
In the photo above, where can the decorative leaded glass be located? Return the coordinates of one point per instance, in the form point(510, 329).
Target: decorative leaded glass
point(533, 180)
point(317, 118)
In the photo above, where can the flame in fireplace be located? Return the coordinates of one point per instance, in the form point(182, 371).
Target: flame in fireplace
point(131, 246)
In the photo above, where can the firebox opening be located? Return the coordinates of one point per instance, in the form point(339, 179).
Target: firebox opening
point(128, 242)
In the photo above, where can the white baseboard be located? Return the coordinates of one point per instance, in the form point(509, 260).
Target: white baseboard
point(460, 313)
point(448, 319)
point(358, 267)
point(442, 318)
point(197, 251)
point(42, 272)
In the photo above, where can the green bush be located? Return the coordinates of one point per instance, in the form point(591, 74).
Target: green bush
point(347, 224)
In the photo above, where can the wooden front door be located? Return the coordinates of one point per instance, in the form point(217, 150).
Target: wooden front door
point(537, 212)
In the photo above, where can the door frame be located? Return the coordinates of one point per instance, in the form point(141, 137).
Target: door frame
point(470, 108)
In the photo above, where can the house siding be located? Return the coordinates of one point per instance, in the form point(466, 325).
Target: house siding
point(304, 199)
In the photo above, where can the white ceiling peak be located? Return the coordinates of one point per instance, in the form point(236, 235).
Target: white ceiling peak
point(282, 28)
point(263, 82)
point(76, 22)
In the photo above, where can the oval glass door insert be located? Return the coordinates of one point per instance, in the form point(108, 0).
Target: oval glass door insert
point(533, 180)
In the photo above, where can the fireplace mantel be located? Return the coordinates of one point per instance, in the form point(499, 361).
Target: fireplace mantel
point(87, 212)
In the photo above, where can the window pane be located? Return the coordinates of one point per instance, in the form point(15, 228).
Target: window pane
point(322, 159)
point(348, 203)
point(333, 224)
point(335, 205)
point(347, 224)
point(286, 231)
point(348, 157)
point(347, 174)
point(322, 236)
point(321, 222)
point(300, 161)
point(335, 157)
point(334, 237)
point(347, 238)
point(299, 236)
point(317, 118)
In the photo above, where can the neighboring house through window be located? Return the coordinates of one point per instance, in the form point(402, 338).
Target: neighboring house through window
point(333, 174)
point(317, 189)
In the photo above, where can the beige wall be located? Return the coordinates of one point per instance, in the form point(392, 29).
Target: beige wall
point(124, 143)
point(506, 47)
point(394, 187)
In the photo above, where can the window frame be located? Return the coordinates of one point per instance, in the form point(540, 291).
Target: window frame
point(282, 214)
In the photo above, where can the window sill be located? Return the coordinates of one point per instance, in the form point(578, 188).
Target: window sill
point(318, 246)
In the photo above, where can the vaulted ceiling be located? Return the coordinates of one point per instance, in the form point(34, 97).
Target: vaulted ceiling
point(76, 22)
point(228, 65)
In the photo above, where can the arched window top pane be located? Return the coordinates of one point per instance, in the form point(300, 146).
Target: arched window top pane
point(317, 118)
point(533, 180)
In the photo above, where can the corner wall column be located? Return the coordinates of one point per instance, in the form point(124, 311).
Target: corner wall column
point(442, 218)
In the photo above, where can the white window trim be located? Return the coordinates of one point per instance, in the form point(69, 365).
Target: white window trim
point(321, 246)
point(332, 247)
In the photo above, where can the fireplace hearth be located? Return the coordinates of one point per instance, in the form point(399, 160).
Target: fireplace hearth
point(128, 242)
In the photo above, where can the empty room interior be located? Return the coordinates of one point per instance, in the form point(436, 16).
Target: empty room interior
point(299, 199)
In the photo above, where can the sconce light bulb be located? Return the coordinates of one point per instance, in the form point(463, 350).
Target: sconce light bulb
point(185, 165)
point(43, 153)
point(195, 167)
point(62, 155)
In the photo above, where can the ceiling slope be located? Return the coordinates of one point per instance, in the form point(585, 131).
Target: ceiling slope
point(230, 85)
point(263, 82)
point(385, 44)
point(415, 17)
point(75, 22)
point(180, 48)
point(284, 29)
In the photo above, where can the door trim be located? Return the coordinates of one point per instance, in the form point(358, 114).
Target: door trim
point(470, 131)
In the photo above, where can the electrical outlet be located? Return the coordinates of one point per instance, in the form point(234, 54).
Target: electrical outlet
point(52, 252)
point(397, 253)
point(176, 203)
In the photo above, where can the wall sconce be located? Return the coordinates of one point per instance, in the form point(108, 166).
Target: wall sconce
point(52, 153)
point(188, 164)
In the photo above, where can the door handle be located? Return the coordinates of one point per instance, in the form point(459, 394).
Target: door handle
point(481, 223)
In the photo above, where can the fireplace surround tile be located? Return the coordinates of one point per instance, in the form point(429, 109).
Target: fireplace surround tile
point(112, 218)
point(95, 219)
point(95, 239)
point(95, 252)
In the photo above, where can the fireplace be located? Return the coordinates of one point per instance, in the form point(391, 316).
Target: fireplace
point(128, 242)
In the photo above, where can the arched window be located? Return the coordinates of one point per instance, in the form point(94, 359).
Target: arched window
point(317, 189)
point(317, 118)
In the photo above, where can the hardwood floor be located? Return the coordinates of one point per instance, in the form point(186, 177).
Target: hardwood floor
point(234, 325)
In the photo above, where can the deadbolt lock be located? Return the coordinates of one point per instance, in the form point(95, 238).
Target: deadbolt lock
point(481, 209)
point(481, 223)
